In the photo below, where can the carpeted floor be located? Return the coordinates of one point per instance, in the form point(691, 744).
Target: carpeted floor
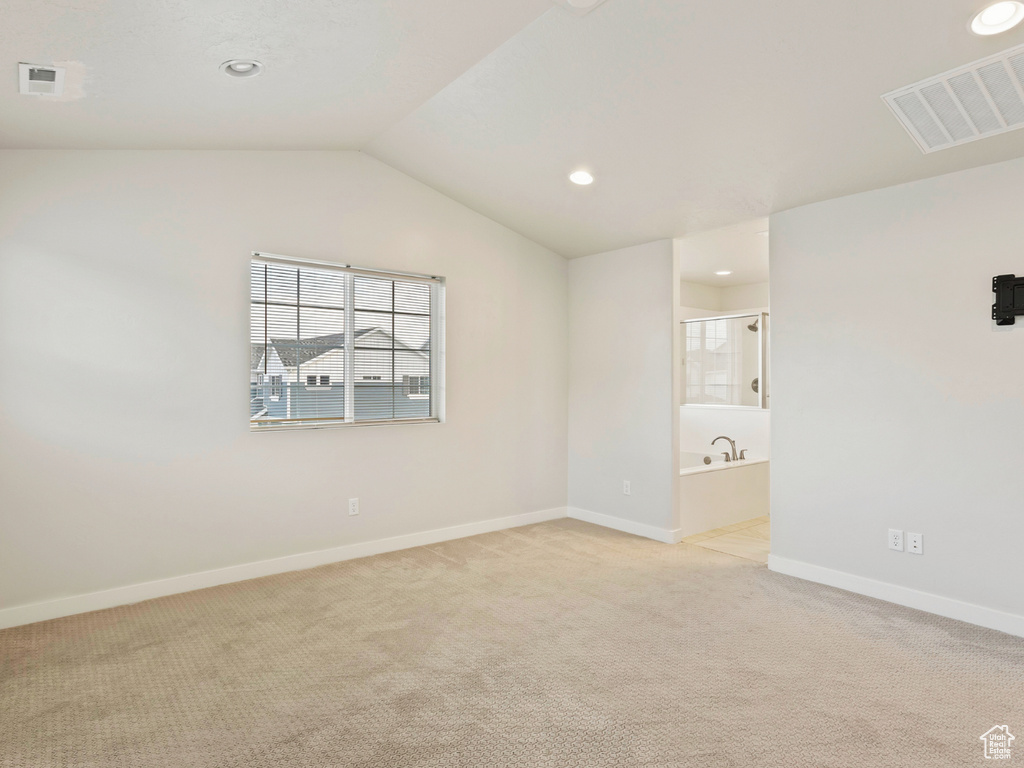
point(560, 644)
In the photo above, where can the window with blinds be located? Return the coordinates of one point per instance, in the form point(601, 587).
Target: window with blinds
point(334, 345)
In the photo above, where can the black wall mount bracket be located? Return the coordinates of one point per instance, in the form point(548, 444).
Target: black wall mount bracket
point(1009, 291)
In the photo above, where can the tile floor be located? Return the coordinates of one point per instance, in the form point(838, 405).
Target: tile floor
point(750, 539)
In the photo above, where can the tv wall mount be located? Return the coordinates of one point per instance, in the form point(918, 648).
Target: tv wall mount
point(1009, 291)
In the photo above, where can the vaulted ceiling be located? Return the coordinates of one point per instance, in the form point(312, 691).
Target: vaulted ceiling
point(691, 114)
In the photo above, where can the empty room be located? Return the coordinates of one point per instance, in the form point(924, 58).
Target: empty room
point(504, 383)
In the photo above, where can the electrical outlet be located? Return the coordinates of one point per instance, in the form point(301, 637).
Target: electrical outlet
point(895, 540)
point(625, 487)
point(353, 506)
point(915, 543)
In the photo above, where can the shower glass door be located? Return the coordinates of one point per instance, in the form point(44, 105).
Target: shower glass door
point(725, 361)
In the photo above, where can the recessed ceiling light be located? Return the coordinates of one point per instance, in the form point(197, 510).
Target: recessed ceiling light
point(241, 67)
point(581, 177)
point(998, 18)
point(724, 272)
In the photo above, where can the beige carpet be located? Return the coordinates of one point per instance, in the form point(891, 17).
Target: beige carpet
point(560, 644)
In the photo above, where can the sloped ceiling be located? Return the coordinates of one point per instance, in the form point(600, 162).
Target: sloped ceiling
point(338, 72)
point(692, 115)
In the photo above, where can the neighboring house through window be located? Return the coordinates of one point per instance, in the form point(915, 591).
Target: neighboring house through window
point(417, 385)
point(332, 344)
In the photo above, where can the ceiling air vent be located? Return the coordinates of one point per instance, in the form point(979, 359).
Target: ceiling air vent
point(40, 80)
point(975, 101)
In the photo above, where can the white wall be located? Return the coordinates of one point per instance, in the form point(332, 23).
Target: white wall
point(621, 397)
point(740, 298)
point(125, 451)
point(700, 297)
point(750, 428)
point(896, 401)
point(699, 300)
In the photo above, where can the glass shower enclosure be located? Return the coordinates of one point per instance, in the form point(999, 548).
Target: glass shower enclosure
point(725, 361)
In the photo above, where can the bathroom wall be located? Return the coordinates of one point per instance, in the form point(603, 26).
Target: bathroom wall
point(740, 298)
point(699, 297)
point(699, 425)
point(698, 300)
point(898, 403)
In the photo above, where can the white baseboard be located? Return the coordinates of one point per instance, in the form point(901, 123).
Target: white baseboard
point(912, 598)
point(664, 535)
point(134, 593)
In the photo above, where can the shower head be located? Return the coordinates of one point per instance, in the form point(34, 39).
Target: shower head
point(753, 326)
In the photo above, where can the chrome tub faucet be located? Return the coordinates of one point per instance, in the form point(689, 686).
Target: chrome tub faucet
point(732, 443)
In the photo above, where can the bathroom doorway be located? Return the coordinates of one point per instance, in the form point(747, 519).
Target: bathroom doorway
point(724, 408)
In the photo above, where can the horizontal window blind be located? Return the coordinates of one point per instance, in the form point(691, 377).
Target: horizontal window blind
point(334, 344)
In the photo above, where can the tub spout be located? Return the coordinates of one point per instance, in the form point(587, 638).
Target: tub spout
point(732, 443)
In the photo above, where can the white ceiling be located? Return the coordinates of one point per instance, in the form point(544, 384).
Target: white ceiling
point(741, 249)
point(337, 73)
point(692, 115)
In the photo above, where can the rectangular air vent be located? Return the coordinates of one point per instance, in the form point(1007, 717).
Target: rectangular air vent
point(972, 102)
point(40, 80)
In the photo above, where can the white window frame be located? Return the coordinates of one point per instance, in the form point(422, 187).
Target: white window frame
point(437, 355)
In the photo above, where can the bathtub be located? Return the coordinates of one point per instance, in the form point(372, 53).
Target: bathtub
point(720, 493)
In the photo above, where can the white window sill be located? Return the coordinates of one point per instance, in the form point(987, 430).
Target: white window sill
point(283, 425)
